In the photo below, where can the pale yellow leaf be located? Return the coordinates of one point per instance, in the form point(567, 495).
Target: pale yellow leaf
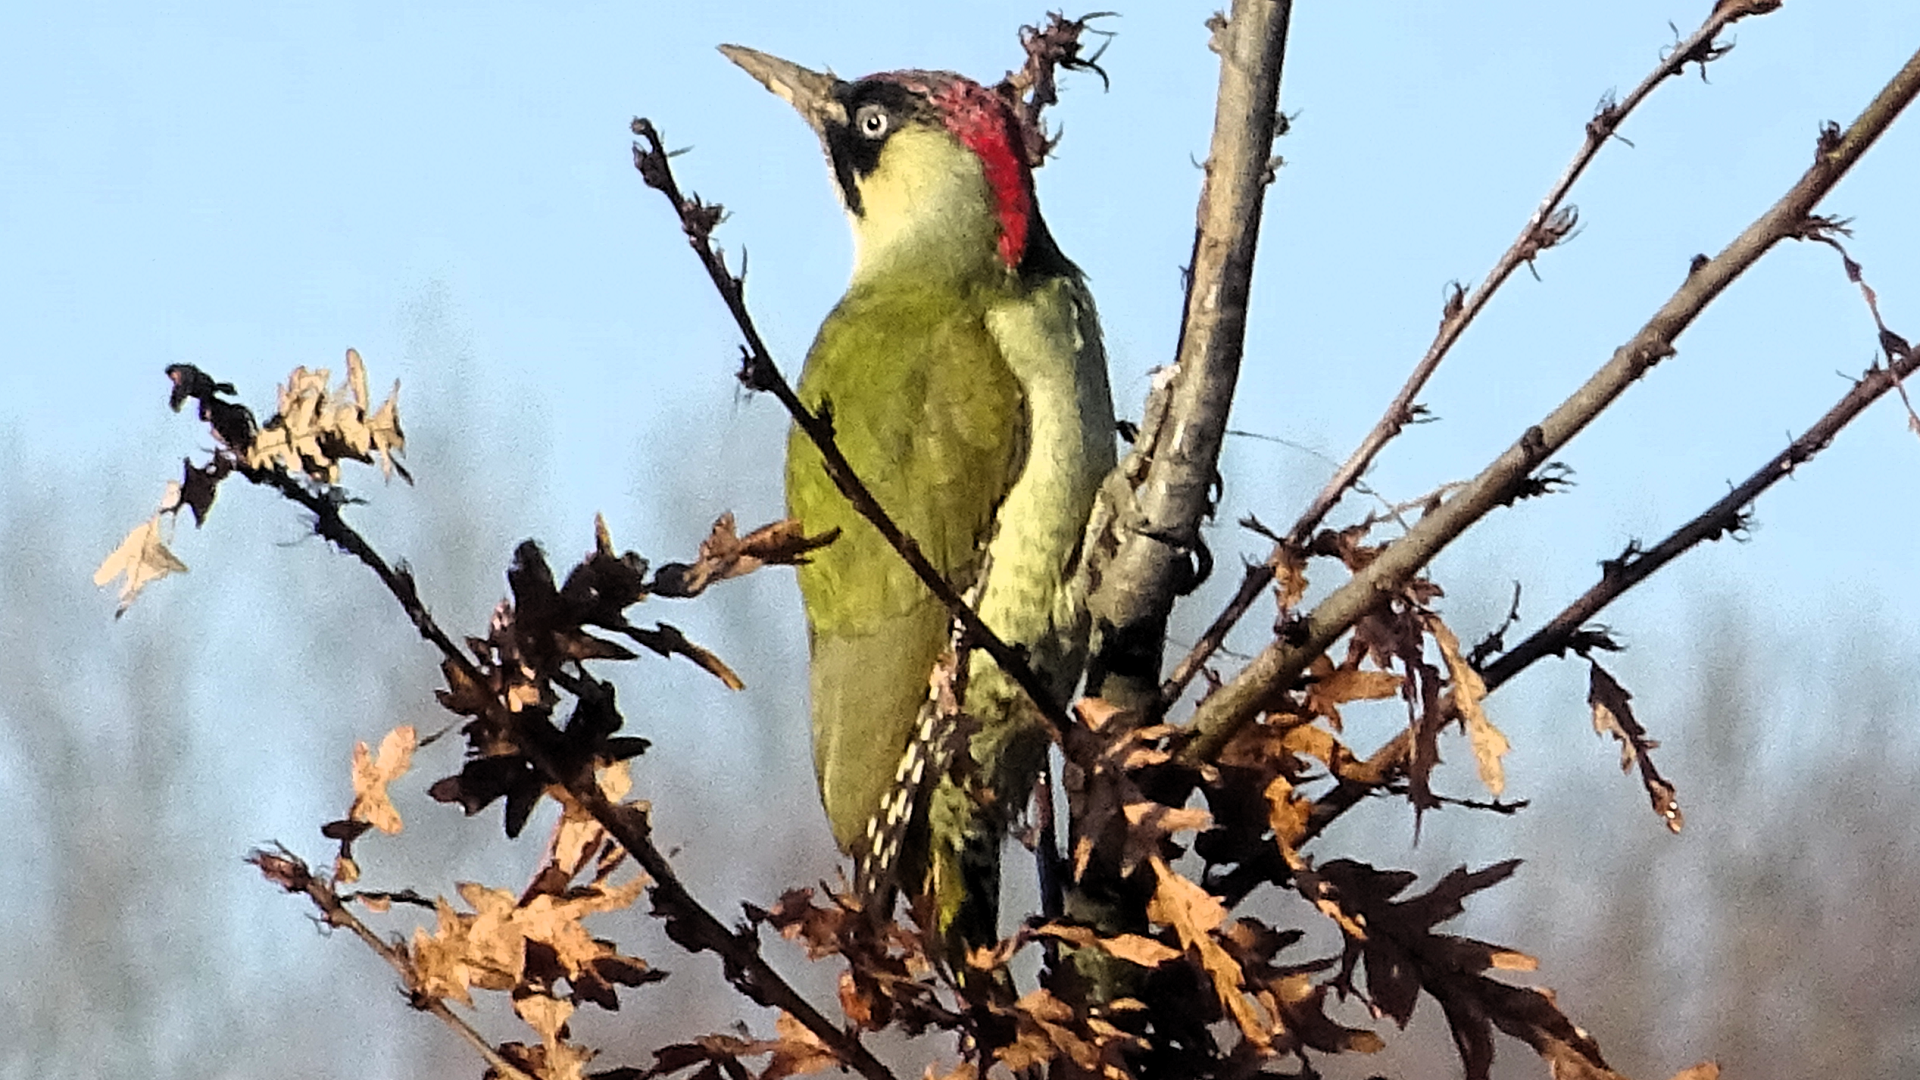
point(142, 558)
point(357, 380)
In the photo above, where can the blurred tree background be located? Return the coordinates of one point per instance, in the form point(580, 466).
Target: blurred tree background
point(1778, 932)
point(140, 760)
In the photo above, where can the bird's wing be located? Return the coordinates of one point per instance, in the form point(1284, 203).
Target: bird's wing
point(936, 429)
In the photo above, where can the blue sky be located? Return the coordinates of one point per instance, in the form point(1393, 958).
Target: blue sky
point(448, 189)
point(251, 188)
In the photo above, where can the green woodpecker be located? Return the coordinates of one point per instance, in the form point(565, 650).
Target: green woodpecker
point(966, 383)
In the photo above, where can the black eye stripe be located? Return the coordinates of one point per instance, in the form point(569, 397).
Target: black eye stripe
point(856, 152)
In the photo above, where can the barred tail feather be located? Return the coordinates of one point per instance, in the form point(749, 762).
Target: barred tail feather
point(930, 835)
point(888, 857)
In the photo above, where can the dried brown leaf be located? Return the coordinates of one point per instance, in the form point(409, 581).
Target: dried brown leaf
point(797, 1051)
point(546, 1015)
point(1289, 577)
point(1287, 812)
point(724, 554)
point(1096, 712)
point(372, 774)
point(1613, 715)
point(1333, 687)
point(1194, 915)
point(1133, 948)
point(317, 426)
point(1465, 692)
point(1303, 1004)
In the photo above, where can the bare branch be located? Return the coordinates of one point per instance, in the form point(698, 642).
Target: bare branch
point(1569, 631)
point(1277, 666)
point(1550, 224)
point(1159, 537)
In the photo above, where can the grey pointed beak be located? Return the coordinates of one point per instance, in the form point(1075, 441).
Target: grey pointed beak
point(809, 92)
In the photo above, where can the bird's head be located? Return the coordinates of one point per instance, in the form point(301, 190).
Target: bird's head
point(931, 166)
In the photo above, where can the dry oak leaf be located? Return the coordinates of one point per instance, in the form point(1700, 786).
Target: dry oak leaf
point(443, 965)
point(821, 928)
point(1318, 743)
point(797, 1051)
point(725, 554)
point(372, 774)
point(1464, 695)
point(1150, 823)
point(1047, 1031)
point(1333, 687)
point(544, 1014)
point(315, 426)
point(1135, 949)
point(1287, 813)
point(142, 557)
point(555, 921)
point(1194, 914)
point(1613, 714)
point(577, 836)
point(1303, 1003)
point(487, 948)
point(290, 440)
point(1101, 761)
point(559, 1061)
point(1289, 577)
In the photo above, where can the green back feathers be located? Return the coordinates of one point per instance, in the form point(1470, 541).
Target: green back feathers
point(937, 437)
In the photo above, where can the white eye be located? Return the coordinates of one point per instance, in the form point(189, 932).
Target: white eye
point(871, 121)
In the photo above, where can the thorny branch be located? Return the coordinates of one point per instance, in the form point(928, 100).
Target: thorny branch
point(1551, 223)
point(1569, 630)
point(758, 372)
point(1281, 663)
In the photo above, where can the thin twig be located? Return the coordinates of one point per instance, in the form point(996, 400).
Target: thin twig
point(291, 873)
point(1728, 515)
point(1280, 664)
point(695, 929)
point(758, 372)
point(1550, 224)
